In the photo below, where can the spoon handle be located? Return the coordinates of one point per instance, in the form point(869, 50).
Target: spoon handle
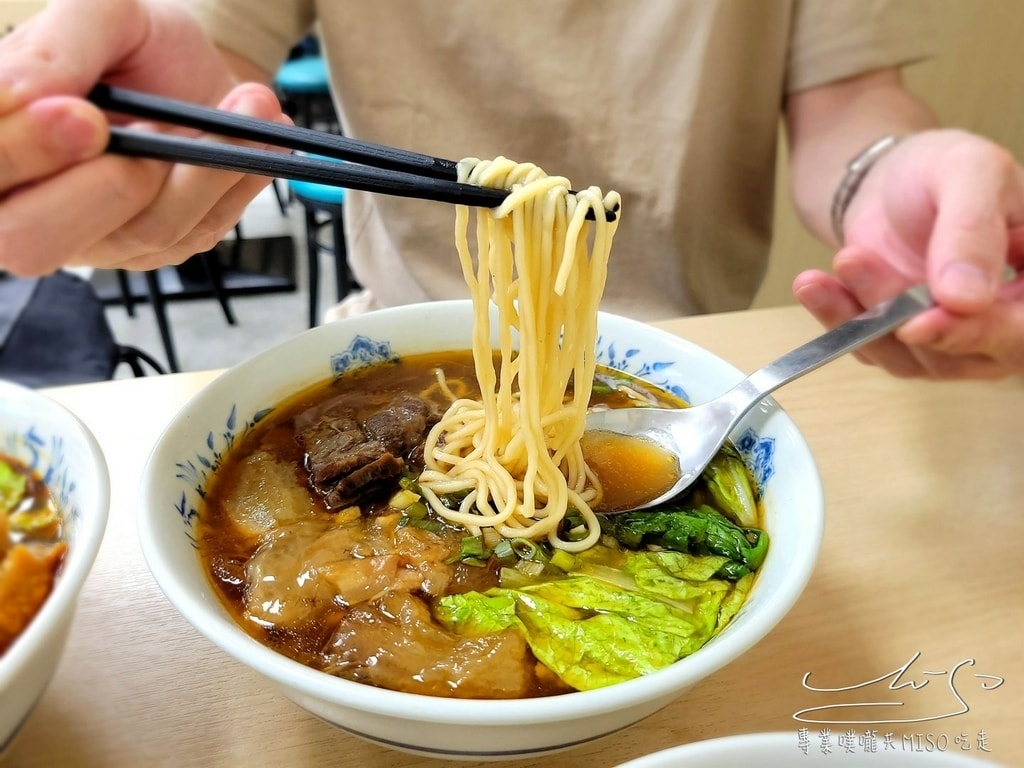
point(866, 327)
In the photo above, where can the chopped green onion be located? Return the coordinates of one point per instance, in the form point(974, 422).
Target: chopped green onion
point(473, 546)
point(453, 500)
point(417, 510)
point(529, 550)
point(427, 524)
point(472, 552)
point(530, 568)
point(573, 517)
point(491, 537)
point(565, 561)
point(579, 533)
point(403, 499)
point(505, 552)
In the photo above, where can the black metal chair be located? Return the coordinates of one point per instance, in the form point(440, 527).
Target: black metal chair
point(61, 336)
point(323, 208)
point(158, 299)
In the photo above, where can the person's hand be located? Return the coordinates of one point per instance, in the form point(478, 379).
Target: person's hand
point(946, 207)
point(62, 200)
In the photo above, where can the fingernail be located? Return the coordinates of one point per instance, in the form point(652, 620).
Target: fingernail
point(243, 104)
point(967, 282)
point(921, 331)
point(812, 296)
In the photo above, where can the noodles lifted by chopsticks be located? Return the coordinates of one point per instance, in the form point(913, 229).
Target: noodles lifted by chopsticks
point(516, 452)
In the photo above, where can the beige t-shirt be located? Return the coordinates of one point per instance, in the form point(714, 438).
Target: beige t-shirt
point(673, 103)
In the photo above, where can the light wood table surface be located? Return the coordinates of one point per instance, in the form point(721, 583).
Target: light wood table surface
point(922, 561)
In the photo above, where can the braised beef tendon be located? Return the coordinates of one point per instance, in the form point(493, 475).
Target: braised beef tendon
point(394, 642)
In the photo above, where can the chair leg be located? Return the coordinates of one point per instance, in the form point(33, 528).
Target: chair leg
point(313, 265)
point(215, 274)
point(156, 298)
point(308, 118)
point(126, 292)
point(282, 203)
point(343, 275)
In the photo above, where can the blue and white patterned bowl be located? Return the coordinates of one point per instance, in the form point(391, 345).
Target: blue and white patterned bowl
point(50, 439)
point(193, 445)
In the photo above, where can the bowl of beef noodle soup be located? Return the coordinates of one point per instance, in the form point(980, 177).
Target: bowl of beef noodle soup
point(232, 521)
point(400, 518)
point(54, 497)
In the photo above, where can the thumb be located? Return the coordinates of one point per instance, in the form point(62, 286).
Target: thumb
point(979, 197)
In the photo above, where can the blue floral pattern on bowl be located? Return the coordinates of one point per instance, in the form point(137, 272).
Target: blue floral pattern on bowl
point(636, 362)
point(45, 454)
point(197, 471)
point(759, 455)
point(362, 351)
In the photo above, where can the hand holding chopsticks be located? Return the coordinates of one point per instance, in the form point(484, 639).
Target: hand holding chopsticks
point(370, 167)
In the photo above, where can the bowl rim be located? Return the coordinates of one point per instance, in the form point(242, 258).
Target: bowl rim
point(666, 684)
point(81, 557)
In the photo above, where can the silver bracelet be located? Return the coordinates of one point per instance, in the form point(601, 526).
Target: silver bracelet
point(855, 173)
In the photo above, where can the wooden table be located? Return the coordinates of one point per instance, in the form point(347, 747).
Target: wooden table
point(922, 560)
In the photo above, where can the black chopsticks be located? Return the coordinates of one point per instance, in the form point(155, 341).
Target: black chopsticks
point(370, 167)
point(236, 126)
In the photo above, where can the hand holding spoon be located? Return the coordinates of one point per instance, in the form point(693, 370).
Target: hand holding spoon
point(694, 435)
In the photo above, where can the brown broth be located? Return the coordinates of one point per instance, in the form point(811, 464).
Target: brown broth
point(632, 470)
point(227, 549)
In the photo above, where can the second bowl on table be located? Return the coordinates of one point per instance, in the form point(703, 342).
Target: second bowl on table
point(41, 434)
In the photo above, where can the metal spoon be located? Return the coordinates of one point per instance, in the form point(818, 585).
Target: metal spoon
point(696, 434)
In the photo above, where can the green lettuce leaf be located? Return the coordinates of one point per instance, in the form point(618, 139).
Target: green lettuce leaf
point(699, 531)
point(12, 488)
point(729, 483)
point(593, 631)
point(474, 613)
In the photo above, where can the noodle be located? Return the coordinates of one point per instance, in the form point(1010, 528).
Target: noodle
point(516, 452)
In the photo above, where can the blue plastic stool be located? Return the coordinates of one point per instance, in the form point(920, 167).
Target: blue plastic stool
point(323, 206)
point(303, 82)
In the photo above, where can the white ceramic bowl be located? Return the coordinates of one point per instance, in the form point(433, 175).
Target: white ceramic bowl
point(782, 750)
point(47, 437)
point(192, 445)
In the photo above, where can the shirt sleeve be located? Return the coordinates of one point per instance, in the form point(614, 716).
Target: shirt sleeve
point(262, 31)
point(836, 39)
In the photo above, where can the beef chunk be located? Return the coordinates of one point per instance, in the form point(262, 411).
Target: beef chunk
point(402, 425)
point(355, 447)
point(364, 481)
